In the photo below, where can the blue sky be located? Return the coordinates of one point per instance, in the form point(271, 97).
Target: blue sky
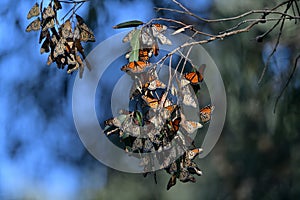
point(39, 145)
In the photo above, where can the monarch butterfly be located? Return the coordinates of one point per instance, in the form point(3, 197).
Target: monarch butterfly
point(72, 67)
point(135, 66)
point(171, 182)
point(172, 168)
point(167, 103)
point(34, 26)
point(49, 60)
point(159, 27)
point(175, 124)
point(157, 30)
point(79, 19)
point(147, 38)
point(155, 84)
point(145, 54)
point(48, 23)
point(190, 126)
point(66, 30)
point(60, 48)
point(44, 34)
point(48, 12)
point(191, 154)
point(76, 33)
point(171, 108)
point(34, 11)
point(79, 48)
point(167, 111)
point(163, 39)
point(205, 113)
point(194, 170)
point(151, 102)
point(188, 98)
point(86, 34)
point(57, 5)
point(70, 48)
point(45, 46)
point(196, 76)
point(185, 176)
point(71, 59)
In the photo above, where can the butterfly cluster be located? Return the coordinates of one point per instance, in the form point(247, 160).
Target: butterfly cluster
point(155, 129)
point(61, 41)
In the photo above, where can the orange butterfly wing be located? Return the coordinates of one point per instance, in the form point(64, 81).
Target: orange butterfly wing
point(197, 76)
point(135, 66)
point(194, 77)
point(205, 113)
point(175, 124)
point(151, 102)
point(160, 27)
point(144, 54)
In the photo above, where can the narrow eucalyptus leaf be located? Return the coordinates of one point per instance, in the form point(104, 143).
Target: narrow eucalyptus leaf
point(135, 46)
point(128, 24)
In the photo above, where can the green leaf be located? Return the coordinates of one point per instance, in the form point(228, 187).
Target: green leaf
point(139, 118)
point(128, 24)
point(135, 46)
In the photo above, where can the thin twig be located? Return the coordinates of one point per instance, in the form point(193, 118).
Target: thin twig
point(252, 20)
point(181, 6)
point(236, 29)
point(265, 12)
point(272, 53)
point(287, 83)
point(276, 45)
point(260, 37)
point(79, 6)
point(73, 1)
point(180, 23)
point(297, 7)
point(170, 78)
point(186, 59)
point(294, 12)
point(73, 9)
point(74, 6)
point(281, 4)
point(217, 37)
